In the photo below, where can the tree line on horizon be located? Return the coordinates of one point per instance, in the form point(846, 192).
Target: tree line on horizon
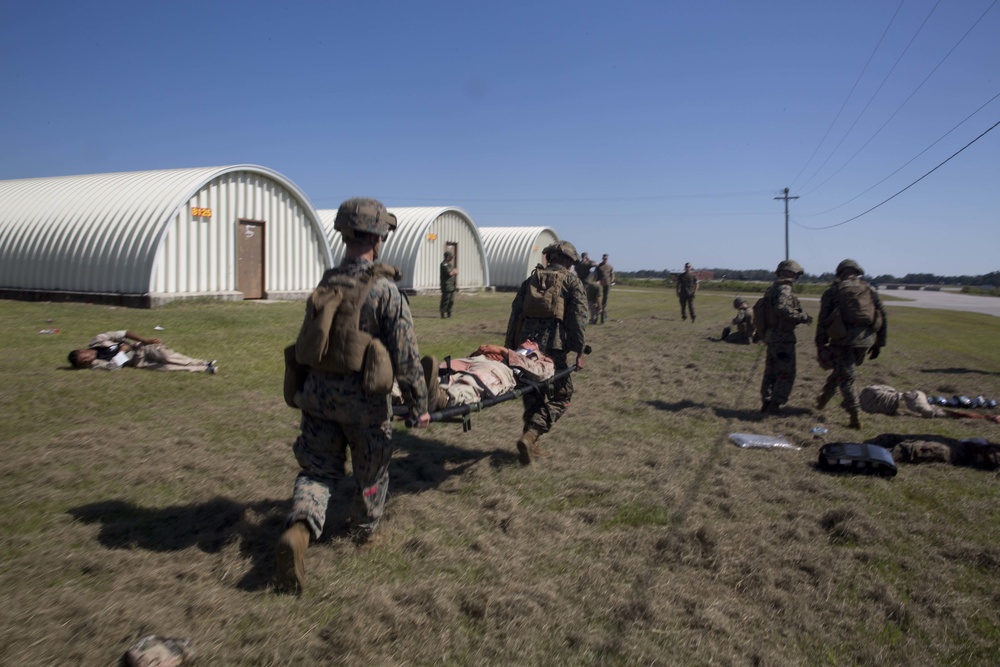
point(767, 275)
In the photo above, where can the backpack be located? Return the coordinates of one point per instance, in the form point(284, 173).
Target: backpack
point(857, 308)
point(331, 339)
point(544, 296)
point(765, 317)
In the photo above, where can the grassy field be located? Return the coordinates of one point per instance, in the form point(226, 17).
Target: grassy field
point(135, 503)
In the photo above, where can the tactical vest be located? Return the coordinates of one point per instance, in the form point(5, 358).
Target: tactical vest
point(544, 297)
point(331, 339)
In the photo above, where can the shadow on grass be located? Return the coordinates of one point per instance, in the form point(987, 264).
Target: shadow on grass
point(959, 371)
point(256, 526)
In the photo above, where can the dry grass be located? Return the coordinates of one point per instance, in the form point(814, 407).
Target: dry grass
point(136, 503)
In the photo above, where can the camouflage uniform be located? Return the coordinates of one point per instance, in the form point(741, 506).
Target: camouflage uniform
point(555, 339)
point(337, 414)
point(448, 283)
point(852, 352)
point(687, 287)
point(742, 330)
point(585, 271)
point(779, 367)
point(605, 275)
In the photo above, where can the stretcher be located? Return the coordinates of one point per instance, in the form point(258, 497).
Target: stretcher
point(462, 414)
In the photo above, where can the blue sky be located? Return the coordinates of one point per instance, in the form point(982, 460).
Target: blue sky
point(657, 132)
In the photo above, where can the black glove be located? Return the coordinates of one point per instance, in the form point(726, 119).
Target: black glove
point(873, 353)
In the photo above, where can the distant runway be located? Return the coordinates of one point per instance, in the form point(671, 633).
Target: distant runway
point(942, 300)
point(987, 305)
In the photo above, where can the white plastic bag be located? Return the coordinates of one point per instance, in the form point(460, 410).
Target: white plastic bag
point(748, 440)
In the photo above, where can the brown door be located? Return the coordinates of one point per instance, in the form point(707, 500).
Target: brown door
point(250, 259)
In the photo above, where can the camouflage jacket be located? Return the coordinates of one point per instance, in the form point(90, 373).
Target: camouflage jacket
point(386, 316)
point(604, 274)
point(549, 333)
point(787, 310)
point(687, 284)
point(584, 269)
point(447, 280)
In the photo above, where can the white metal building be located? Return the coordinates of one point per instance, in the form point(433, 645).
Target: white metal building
point(144, 238)
point(512, 252)
point(418, 245)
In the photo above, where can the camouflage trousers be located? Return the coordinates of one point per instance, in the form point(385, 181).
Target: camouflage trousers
point(543, 409)
point(687, 305)
point(844, 360)
point(779, 372)
point(447, 301)
point(338, 416)
point(159, 357)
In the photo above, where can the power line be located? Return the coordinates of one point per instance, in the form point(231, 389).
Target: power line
point(911, 184)
point(870, 100)
point(812, 215)
point(905, 102)
point(853, 88)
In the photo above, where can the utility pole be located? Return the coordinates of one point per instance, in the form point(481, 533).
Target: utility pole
point(786, 198)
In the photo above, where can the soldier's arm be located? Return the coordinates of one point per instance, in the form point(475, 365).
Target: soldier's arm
point(515, 317)
point(785, 305)
point(882, 335)
point(108, 337)
point(400, 339)
point(575, 317)
point(825, 308)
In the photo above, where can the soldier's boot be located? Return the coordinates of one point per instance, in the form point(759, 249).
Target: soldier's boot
point(437, 398)
point(290, 555)
point(824, 397)
point(855, 420)
point(765, 407)
point(528, 449)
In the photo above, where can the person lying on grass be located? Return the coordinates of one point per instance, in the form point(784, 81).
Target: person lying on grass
point(116, 349)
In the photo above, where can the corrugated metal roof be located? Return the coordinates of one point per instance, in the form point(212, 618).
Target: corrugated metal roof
point(417, 245)
point(102, 232)
point(512, 252)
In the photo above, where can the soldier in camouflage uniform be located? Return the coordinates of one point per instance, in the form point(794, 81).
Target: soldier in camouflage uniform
point(741, 330)
point(555, 336)
point(338, 415)
point(604, 274)
point(785, 313)
point(448, 282)
point(585, 271)
point(687, 288)
point(852, 343)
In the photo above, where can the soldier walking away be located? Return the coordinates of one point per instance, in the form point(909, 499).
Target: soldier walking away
point(605, 276)
point(345, 394)
point(448, 281)
point(118, 349)
point(777, 313)
point(687, 287)
point(585, 271)
point(550, 308)
point(741, 331)
point(851, 324)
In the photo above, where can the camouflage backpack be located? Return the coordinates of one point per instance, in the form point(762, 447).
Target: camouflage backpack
point(765, 317)
point(544, 296)
point(857, 308)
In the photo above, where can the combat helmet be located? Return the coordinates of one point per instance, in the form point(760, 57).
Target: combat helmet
point(562, 248)
point(790, 265)
point(363, 215)
point(849, 264)
point(737, 301)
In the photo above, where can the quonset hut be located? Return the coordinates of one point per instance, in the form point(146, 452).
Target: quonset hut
point(418, 245)
point(512, 252)
point(145, 238)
